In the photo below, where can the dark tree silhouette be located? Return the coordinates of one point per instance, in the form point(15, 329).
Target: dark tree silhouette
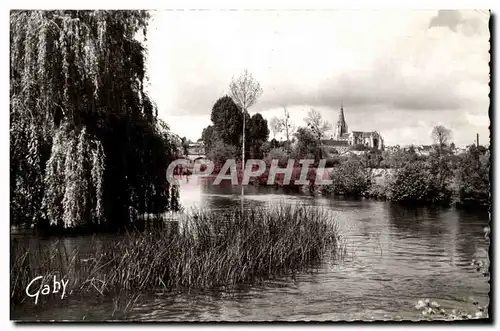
point(86, 147)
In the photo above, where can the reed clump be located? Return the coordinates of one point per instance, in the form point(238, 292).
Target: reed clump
point(208, 249)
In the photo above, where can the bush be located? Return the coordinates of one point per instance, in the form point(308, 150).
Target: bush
point(332, 161)
point(266, 147)
point(379, 191)
point(349, 179)
point(472, 177)
point(277, 154)
point(332, 150)
point(219, 153)
point(399, 157)
point(416, 183)
point(372, 158)
point(410, 183)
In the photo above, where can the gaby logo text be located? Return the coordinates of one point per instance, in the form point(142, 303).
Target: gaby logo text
point(36, 287)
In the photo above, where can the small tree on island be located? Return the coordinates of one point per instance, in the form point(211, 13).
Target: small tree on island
point(244, 91)
point(441, 136)
point(440, 163)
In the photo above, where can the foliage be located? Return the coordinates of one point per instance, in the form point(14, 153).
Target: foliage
point(227, 128)
point(349, 179)
point(76, 86)
point(440, 177)
point(73, 180)
point(258, 133)
point(331, 150)
point(473, 180)
point(418, 182)
point(318, 127)
point(275, 144)
point(287, 126)
point(307, 144)
point(316, 124)
point(266, 147)
point(332, 161)
point(277, 154)
point(441, 135)
point(227, 119)
point(207, 249)
point(208, 136)
point(219, 153)
point(185, 146)
point(440, 174)
point(378, 191)
point(276, 126)
point(410, 183)
point(245, 90)
point(399, 157)
point(372, 158)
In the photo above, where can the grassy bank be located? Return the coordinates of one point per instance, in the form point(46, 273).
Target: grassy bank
point(211, 249)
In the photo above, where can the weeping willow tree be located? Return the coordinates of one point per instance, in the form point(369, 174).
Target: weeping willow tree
point(86, 145)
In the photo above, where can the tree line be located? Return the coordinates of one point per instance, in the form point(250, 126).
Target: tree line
point(223, 139)
point(441, 177)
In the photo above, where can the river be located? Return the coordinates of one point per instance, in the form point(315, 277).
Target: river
point(395, 256)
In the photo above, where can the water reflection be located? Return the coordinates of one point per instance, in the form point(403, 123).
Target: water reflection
point(396, 255)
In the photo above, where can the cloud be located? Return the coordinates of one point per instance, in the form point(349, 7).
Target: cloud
point(391, 69)
point(477, 120)
point(381, 86)
point(446, 18)
point(455, 21)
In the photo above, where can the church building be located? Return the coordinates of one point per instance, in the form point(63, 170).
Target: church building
point(343, 139)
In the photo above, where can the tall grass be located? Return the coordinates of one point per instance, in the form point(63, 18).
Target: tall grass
point(210, 249)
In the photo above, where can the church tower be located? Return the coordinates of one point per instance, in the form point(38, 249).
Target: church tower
point(341, 126)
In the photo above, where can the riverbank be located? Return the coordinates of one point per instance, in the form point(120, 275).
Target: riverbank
point(353, 181)
point(210, 250)
point(400, 186)
point(403, 176)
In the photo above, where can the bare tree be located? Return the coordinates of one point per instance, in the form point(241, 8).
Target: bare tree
point(244, 91)
point(276, 126)
point(317, 125)
point(288, 126)
point(441, 136)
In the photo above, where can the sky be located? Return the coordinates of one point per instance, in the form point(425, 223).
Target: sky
point(399, 73)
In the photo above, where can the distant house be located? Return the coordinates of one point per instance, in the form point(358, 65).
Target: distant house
point(423, 150)
point(197, 148)
point(343, 139)
point(392, 149)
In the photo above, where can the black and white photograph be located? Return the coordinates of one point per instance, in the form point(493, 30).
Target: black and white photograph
point(250, 165)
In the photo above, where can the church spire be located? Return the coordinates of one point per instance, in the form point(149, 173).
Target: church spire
point(341, 120)
point(341, 126)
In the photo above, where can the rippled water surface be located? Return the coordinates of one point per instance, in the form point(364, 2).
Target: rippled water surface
point(395, 256)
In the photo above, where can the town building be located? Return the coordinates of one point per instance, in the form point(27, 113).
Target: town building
point(343, 140)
